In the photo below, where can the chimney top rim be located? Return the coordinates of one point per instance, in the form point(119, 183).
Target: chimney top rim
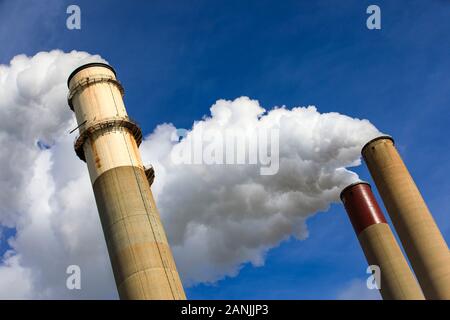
point(350, 186)
point(388, 137)
point(89, 65)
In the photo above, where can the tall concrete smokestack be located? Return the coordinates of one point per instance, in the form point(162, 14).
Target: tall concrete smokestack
point(140, 256)
point(379, 244)
point(419, 234)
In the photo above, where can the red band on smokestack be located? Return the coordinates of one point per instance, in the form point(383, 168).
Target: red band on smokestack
point(361, 206)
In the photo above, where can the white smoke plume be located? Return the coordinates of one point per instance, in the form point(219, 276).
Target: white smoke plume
point(217, 217)
point(220, 216)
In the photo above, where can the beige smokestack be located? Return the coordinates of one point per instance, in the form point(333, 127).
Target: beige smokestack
point(379, 244)
point(419, 234)
point(140, 256)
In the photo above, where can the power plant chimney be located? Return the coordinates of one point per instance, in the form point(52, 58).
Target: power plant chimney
point(140, 255)
point(378, 243)
point(415, 226)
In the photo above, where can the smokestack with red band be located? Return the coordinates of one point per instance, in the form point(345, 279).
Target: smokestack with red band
point(419, 234)
point(378, 243)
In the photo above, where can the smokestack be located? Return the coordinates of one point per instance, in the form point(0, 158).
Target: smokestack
point(419, 234)
point(140, 255)
point(379, 244)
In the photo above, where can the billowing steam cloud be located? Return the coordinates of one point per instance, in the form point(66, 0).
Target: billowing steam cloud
point(221, 216)
point(44, 191)
point(217, 217)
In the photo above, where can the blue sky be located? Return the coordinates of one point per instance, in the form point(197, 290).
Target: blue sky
point(176, 58)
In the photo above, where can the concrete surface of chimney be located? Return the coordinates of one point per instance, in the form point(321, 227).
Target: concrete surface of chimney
point(379, 244)
point(423, 242)
point(140, 255)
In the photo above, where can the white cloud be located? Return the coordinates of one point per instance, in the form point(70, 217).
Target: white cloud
point(216, 217)
point(46, 194)
point(15, 281)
